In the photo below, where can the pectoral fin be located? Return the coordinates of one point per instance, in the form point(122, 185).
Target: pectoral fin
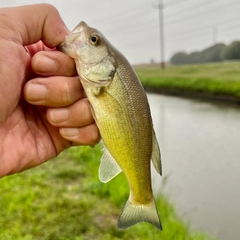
point(156, 155)
point(109, 168)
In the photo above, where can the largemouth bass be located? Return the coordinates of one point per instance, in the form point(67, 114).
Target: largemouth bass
point(121, 111)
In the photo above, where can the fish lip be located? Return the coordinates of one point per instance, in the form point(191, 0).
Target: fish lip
point(74, 36)
point(67, 49)
point(72, 42)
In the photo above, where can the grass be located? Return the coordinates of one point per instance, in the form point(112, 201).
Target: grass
point(219, 80)
point(64, 200)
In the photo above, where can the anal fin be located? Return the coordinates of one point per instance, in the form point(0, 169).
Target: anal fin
point(109, 168)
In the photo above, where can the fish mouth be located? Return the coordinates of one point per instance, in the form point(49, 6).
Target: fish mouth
point(67, 49)
point(71, 44)
point(61, 47)
point(74, 40)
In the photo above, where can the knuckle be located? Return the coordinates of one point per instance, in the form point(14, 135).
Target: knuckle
point(86, 109)
point(94, 135)
point(66, 65)
point(49, 7)
point(66, 93)
point(70, 91)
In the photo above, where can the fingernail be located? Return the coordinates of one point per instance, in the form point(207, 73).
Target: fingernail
point(44, 64)
point(59, 115)
point(69, 132)
point(36, 92)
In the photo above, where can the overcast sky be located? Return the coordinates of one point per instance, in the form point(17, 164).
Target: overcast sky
point(133, 25)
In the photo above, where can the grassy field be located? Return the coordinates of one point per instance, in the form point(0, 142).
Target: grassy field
point(221, 80)
point(63, 199)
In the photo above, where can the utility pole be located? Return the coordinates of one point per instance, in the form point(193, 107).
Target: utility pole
point(161, 31)
point(215, 35)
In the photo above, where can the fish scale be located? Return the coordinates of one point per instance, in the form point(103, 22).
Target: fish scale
point(121, 111)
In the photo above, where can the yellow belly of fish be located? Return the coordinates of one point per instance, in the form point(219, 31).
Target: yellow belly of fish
point(131, 147)
point(129, 144)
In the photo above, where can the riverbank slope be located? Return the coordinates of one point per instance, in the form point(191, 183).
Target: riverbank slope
point(216, 81)
point(63, 199)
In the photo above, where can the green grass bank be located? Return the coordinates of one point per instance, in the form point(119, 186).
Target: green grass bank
point(64, 200)
point(219, 81)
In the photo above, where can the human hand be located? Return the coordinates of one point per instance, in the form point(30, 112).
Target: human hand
point(40, 116)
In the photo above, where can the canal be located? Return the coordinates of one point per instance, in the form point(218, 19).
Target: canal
point(200, 147)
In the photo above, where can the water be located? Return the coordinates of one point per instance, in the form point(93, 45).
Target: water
point(200, 146)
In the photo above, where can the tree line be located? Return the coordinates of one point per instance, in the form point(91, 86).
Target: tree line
point(216, 53)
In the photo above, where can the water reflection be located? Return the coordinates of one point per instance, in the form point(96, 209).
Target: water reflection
point(200, 146)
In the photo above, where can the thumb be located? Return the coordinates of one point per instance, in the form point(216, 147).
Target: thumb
point(29, 24)
point(22, 26)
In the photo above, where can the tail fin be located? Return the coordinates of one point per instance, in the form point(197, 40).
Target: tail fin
point(133, 214)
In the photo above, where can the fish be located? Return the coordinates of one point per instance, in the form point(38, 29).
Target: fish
point(121, 111)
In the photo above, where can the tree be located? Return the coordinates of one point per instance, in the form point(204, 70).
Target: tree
point(179, 58)
point(194, 57)
point(232, 51)
point(213, 53)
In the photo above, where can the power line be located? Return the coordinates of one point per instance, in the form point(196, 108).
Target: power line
point(202, 13)
point(203, 27)
point(229, 22)
point(190, 34)
point(231, 28)
point(193, 7)
point(148, 21)
point(153, 24)
point(123, 14)
point(132, 12)
point(176, 3)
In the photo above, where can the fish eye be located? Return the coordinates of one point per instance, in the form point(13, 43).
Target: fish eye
point(94, 39)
